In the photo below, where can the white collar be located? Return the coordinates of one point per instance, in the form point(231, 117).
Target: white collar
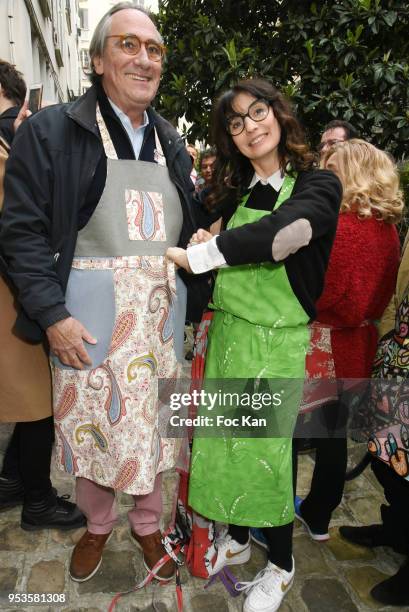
point(123, 117)
point(276, 180)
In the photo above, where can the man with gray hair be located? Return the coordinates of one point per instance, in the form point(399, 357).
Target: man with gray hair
point(95, 193)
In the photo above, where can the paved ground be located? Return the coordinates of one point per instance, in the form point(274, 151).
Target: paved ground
point(329, 577)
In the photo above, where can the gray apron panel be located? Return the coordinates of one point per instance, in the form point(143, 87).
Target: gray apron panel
point(106, 235)
point(90, 299)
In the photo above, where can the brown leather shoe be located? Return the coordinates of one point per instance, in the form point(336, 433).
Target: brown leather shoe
point(153, 550)
point(87, 555)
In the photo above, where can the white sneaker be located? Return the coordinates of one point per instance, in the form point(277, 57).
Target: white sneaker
point(228, 552)
point(266, 592)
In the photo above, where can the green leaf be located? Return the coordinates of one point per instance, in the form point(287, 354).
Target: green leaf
point(358, 32)
point(309, 45)
point(365, 4)
point(230, 50)
point(349, 56)
point(390, 18)
point(375, 27)
point(390, 77)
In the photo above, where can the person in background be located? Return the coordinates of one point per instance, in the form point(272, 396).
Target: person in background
point(25, 399)
point(200, 287)
point(95, 192)
point(358, 286)
point(207, 160)
point(280, 215)
point(193, 156)
point(387, 424)
point(12, 94)
point(336, 131)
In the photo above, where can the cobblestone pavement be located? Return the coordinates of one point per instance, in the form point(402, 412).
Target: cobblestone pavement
point(334, 576)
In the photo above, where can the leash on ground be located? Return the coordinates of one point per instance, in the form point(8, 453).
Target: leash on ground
point(176, 555)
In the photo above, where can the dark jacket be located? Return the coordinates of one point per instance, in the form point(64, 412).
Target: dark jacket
point(49, 171)
point(7, 120)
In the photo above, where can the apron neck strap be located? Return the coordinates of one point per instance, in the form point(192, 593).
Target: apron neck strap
point(286, 190)
point(159, 156)
point(105, 137)
point(109, 145)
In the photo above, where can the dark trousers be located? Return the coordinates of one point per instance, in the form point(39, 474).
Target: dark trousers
point(279, 540)
point(395, 516)
point(28, 457)
point(328, 480)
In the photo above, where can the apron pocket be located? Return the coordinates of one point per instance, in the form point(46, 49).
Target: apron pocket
point(90, 298)
point(144, 214)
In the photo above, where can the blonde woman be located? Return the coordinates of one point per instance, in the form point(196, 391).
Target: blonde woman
point(359, 283)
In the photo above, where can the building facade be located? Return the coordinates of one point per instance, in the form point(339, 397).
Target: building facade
point(40, 37)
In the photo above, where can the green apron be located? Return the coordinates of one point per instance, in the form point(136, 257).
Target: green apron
point(259, 330)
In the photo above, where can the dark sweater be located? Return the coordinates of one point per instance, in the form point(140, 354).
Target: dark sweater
point(316, 197)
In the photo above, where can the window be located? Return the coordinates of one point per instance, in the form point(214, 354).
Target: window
point(45, 8)
point(83, 18)
point(84, 58)
point(68, 15)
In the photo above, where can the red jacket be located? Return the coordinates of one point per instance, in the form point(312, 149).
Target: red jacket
point(359, 283)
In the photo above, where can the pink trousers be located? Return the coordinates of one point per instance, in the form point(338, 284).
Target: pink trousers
point(98, 505)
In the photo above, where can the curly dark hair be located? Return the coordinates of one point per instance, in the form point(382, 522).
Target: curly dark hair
point(232, 170)
point(12, 83)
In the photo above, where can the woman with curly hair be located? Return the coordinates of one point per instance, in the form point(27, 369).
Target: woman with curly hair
point(359, 283)
point(280, 217)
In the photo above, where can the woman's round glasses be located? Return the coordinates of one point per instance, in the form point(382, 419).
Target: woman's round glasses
point(131, 45)
point(257, 111)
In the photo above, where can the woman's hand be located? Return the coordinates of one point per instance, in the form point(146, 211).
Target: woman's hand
point(200, 236)
point(179, 257)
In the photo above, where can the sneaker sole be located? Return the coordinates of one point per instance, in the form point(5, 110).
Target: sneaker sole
point(94, 571)
point(317, 537)
point(258, 542)
point(275, 607)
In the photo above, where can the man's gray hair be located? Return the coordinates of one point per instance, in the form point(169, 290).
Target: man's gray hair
point(97, 45)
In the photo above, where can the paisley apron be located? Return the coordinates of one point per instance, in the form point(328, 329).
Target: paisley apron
point(123, 289)
point(259, 331)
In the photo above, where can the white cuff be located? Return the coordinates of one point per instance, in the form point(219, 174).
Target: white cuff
point(205, 256)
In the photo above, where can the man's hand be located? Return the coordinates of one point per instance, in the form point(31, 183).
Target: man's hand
point(179, 257)
point(66, 342)
point(200, 236)
point(23, 114)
